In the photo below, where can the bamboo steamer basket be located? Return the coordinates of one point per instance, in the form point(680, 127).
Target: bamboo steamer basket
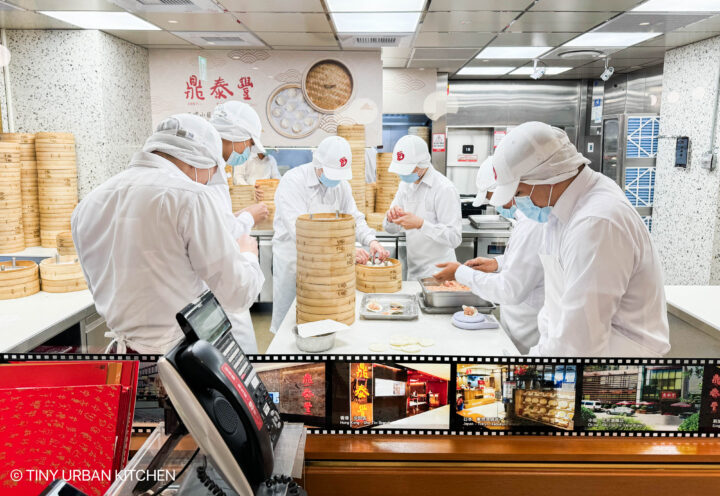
point(23, 138)
point(19, 282)
point(355, 136)
point(379, 279)
point(61, 277)
point(325, 267)
point(267, 224)
point(370, 189)
point(12, 237)
point(268, 187)
point(242, 196)
point(65, 244)
point(49, 136)
point(375, 221)
point(328, 85)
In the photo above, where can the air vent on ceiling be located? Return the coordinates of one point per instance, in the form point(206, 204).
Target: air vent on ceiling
point(170, 6)
point(218, 39)
point(375, 40)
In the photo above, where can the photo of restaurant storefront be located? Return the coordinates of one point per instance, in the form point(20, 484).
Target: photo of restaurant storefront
point(641, 397)
point(390, 395)
point(500, 396)
point(298, 390)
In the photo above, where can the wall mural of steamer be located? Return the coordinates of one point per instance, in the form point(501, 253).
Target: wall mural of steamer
point(297, 109)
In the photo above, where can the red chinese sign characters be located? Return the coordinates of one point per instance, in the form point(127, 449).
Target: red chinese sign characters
point(307, 394)
point(194, 89)
point(245, 83)
point(361, 413)
point(220, 88)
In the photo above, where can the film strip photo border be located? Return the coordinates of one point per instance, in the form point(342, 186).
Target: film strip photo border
point(422, 395)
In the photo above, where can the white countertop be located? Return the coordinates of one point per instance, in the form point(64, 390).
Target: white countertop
point(35, 251)
point(449, 340)
point(25, 320)
point(432, 419)
point(699, 302)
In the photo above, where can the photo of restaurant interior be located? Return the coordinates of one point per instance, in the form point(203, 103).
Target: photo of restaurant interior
point(500, 396)
point(390, 395)
point(297, 389)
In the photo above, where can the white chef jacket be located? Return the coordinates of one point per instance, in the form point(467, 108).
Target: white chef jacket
point(611, 276)
point(238, 225)
point(150, 241)
point(255, 168)
point(301, 192)
point(370, 165)
point(517, 285)
point(436, 201)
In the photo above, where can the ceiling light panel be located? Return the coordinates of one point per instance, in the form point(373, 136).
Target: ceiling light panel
point(376, 22)
point(678, 6)
point(603, 39)
point(375, 5)
point(101, 20)
point(512, 52)
point(485, 71)
point(216, 39)
point(655, 22)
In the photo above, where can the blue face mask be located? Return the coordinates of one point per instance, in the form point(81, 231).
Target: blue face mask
point(508, 213)
point(532, 211)
point(410, 178)
point(330, 183)
point(239, 158)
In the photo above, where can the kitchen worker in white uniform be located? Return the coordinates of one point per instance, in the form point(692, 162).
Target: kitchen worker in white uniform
point(604, 292)
point(370, 165)
point(239, 127)
point(260, 165)
point(426, 206)
point(151, 239)
point(316, 187)
point(513, 280)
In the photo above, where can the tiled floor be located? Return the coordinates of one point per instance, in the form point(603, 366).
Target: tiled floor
point(261, 314)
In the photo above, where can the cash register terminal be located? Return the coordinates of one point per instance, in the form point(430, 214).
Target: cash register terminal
point(219, 397)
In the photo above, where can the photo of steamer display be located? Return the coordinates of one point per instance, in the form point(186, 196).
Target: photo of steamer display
point(328, 86)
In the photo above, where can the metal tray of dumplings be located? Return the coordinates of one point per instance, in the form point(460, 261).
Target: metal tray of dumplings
point(411, 309)
point(487, 308)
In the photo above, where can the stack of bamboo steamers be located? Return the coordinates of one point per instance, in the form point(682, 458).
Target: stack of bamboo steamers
point(12, 237)
point(325, 268)
point(387, 183)
point(355, 136)
point(268, 187)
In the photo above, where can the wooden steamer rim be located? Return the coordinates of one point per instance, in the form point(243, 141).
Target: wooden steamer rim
point(321, 74)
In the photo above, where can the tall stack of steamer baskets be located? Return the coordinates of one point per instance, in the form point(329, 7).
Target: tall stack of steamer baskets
point(325, 268)
point(387, 183)
point(57, 184)
point(355, 136)
point(12, 237)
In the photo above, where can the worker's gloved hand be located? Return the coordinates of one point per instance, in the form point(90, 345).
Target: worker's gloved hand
point(361, 256)
point(409, 221)
point(448, 271)
point(483, 264)
point(259, 211)
point(377, 250)
point(247, 244)
point(394, 213)
point(259, 194)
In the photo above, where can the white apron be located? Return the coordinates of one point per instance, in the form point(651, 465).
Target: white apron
point(423, 252)
point(285, 270)
point(618, 345)
point(521, 323)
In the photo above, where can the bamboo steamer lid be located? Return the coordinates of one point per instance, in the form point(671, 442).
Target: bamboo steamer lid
point(61, 278)
point(326, 222)
point(19, 282)
point(24, 138)
point(328, 85)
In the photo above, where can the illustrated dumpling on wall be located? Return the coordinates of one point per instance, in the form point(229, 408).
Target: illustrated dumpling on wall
point(284, 123)
point(289, 113)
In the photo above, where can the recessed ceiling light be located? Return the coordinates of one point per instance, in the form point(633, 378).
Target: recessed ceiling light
point(375, 6)
point(485, 71)
point(549, 71)
point(676, 6)
point(172, 21)
point(602, 39)
point(579, 54)
point(521, 52)
point(386, 22)
point(210, 42)
point(101, 20)
point(644, 24)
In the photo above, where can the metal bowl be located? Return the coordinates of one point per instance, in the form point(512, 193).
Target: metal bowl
point(314, 344)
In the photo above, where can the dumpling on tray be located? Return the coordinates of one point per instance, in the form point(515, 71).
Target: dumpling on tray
point(373, 306)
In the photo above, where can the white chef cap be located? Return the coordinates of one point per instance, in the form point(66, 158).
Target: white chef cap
point(533, 153)
point(238, 121)
point(410, 151)
point(334, 156)
point(189, 138)
point(484, 181)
